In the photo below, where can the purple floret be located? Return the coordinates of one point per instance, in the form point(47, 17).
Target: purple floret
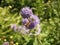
point(14, 27)
point(34, 21)
point(24, 21)
point(32, 25)
point(26, 12)
point(6, 43)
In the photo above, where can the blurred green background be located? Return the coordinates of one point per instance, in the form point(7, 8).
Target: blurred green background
point(48, 12)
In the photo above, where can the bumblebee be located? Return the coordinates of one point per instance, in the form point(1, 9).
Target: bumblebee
point(30, 20)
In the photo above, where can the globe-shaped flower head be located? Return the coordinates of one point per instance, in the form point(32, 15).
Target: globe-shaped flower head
point(6, 43)
point(26, 12)
point(34, 20)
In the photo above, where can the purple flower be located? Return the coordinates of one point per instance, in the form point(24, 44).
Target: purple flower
point(34, 20)
point(6, 43)
point(14, 27)
point(26, 12)
point(32, 25)
point(29, 21)
point(24, 21)
point(23, 30)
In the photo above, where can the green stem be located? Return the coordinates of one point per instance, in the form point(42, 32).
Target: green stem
point(6, 32)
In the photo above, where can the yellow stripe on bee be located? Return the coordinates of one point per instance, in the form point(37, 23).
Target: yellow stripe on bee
point(27, 24)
